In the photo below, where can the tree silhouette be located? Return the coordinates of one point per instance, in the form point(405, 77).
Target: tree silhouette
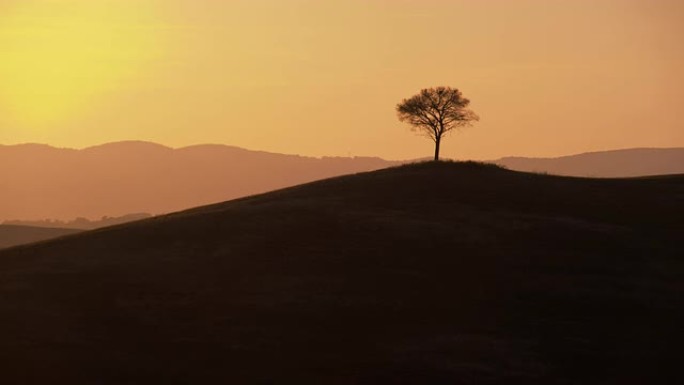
point(435, 112)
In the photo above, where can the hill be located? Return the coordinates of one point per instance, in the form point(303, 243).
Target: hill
point(450, 273)
point(13, 235)
point(116, 179)
point(606, 164)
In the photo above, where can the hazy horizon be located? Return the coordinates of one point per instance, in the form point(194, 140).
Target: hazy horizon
point(229, 145)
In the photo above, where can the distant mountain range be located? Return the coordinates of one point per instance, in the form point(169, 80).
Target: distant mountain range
point(115, 179)
point(40, 182)
point(605, 164)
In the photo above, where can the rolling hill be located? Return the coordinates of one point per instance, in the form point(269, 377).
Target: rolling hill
point(447, 273)
point(13, 235)
point(605, 164)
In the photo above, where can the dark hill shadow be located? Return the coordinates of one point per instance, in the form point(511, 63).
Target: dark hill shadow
point(424, 274)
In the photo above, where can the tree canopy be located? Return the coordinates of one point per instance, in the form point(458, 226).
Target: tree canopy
point(435, 112)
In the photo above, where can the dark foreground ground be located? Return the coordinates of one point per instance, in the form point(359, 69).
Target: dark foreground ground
point(426, 274)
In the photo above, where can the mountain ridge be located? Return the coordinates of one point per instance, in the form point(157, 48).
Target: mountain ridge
point(153, 145)
point(631, 162)
point(119, 178)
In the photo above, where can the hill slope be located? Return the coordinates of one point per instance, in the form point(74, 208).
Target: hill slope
point(424, 274)
point(40, 182)
point(605, 164)
point(12, 235)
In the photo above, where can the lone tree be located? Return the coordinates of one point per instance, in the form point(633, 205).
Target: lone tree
point(435, 112)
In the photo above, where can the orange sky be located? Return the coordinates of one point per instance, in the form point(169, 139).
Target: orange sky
point(312, 77)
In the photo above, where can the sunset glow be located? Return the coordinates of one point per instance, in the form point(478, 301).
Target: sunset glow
point(59, 56)
point(322, 78)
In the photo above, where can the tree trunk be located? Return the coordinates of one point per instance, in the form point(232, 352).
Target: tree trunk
point(437, 141)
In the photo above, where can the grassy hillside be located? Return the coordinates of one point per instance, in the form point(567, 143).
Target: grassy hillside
point(13, 235)
point(425, 274)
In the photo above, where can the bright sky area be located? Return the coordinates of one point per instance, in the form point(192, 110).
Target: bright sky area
point(311, 77)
